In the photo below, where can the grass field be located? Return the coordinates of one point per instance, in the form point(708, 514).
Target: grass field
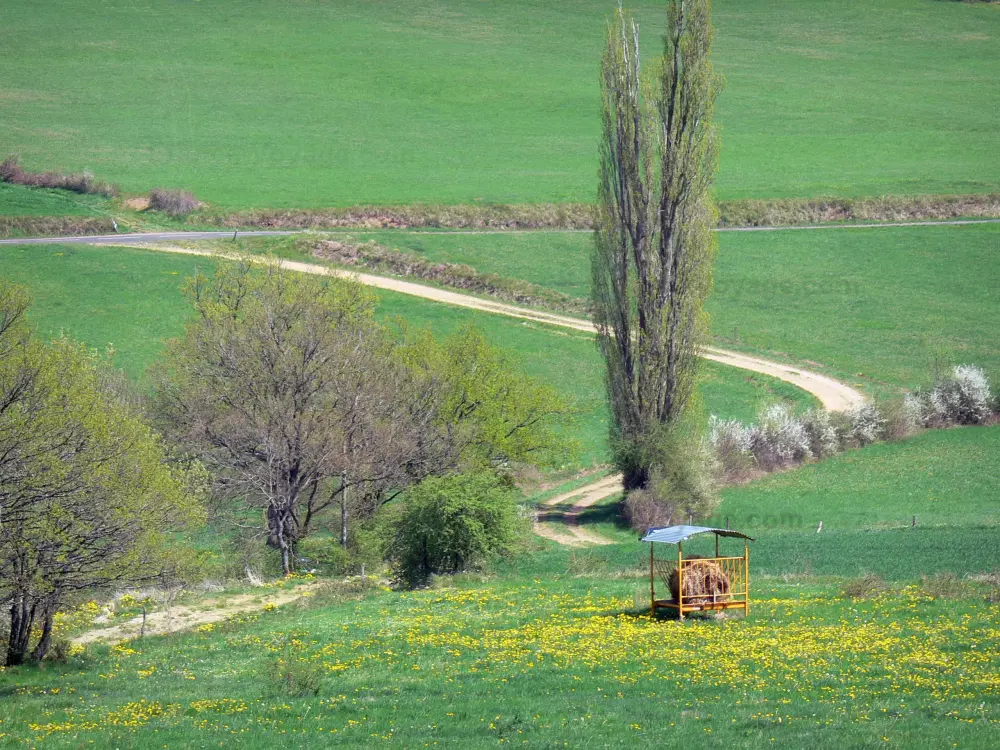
point(565, 662)
point(884, 305)
point(22, 201)
point(131, 299)
point(319, 103)
point(866, 500)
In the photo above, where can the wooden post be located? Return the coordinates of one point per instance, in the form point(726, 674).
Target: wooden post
point(680, 580)
point(746, 577)
point(652, 584)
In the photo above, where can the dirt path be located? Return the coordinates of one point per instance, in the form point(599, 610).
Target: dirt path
point(561, 524)
point(185, 617)
point(834, 395)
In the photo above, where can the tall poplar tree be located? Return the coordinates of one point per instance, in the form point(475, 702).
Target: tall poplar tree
point(654, 244)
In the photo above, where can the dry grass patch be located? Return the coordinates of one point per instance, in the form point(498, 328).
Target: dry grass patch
point(84, 182)
point(579, 216)
point(44, 226)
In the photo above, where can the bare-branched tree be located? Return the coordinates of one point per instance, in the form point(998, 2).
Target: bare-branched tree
point(304, 406)
point(283, 385)
point(654, 245)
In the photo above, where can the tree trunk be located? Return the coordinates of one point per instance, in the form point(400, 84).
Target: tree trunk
point(343, 511)
point(22, 618)
point(286, 556)
point(277, 522)
point(46, 640)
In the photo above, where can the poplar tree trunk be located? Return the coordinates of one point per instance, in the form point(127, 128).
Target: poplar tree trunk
point(654, 246)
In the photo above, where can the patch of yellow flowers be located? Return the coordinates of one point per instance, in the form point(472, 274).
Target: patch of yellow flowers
point(851, 656)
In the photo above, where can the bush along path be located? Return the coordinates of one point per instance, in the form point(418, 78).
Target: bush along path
point(832, 394)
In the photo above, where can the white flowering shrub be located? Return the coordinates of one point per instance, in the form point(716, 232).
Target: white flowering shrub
point(780, 438)
point(866, 423)
point(821, 433)
point(730, 435)
point(912, 411)
point(732, 443)
point(962, 398)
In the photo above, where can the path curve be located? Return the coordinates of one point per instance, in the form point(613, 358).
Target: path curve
point(834, 395)
point(569, 532)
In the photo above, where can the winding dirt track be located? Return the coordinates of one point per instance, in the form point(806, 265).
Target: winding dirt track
point(185, 617)
point(560, 525)
point(834, 395)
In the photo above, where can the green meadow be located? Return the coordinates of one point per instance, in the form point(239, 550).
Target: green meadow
point(131, 300)
point(880, 305)
point(561, 662)
point(318, 103)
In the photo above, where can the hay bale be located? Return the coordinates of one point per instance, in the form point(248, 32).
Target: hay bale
point(704, 582)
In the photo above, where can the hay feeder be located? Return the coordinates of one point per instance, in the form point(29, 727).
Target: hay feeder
point(698, 584)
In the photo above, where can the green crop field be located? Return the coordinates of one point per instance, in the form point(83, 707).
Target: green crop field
point(131, 300)
point(883, 305)
point(318, 103)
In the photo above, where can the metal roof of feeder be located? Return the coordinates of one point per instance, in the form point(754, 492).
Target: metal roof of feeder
point(676, 534)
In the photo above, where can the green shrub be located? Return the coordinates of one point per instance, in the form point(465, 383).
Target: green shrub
point(325, 553)
point(294, 675)
point(453, 523)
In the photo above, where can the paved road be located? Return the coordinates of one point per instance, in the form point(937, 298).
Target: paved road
point(131, 239)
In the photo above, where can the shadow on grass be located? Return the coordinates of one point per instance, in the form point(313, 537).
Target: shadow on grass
point(603, 513)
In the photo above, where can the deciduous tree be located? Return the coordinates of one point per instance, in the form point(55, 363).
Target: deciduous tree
point(283, 384)
point(87, 495)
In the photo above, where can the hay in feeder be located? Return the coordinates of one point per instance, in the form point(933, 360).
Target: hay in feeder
point(704, 582)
